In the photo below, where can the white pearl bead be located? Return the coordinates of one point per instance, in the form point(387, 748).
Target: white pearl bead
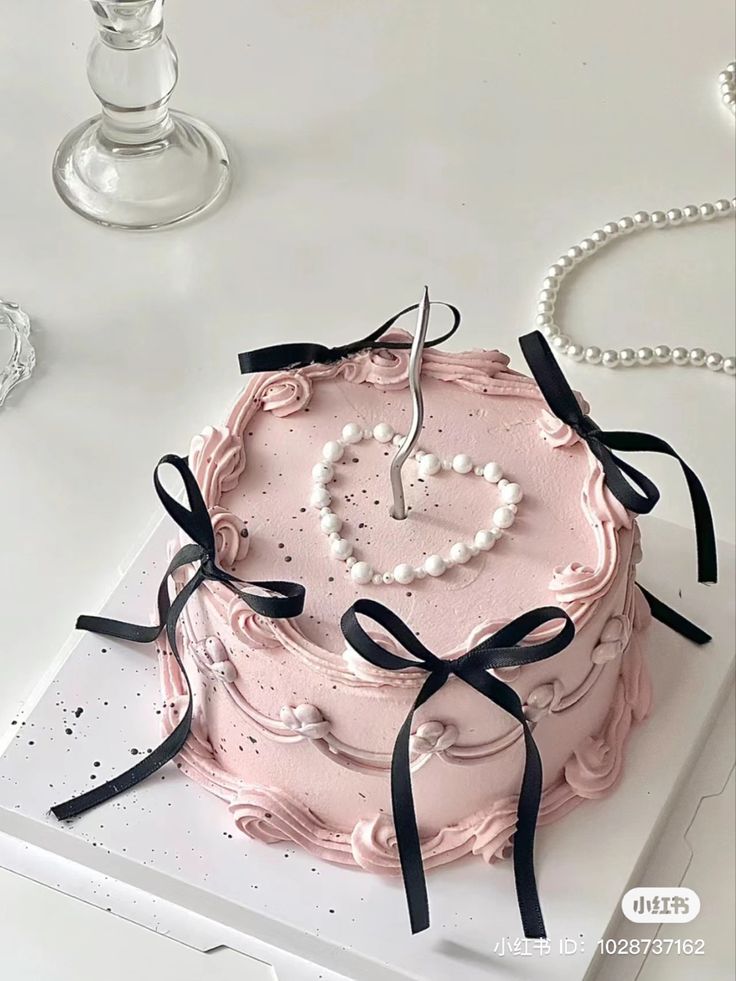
point(332, 451)
point(333, 536)
point(566, 262)
point(575, 253)
point(330, 522)
point(352, 432)
point(609, 358)
point(350, 561)
point(461, 463)
point(484, 539)
point(361, 573)
point(420, 573)
point(662, 354)
point(599, 236)
point(626, 225)
point(542, 319)
point(551, 283)
point(588, 246)
point(645, 355)
point(367, 433)
point(503, 517)
point(722, 206)
point(707, 211)
point(680, 355)
point(697, 357)
point(691, 213)
point(325, 510)
point(576, 352)
point(429, 464)
point(659, 219)
point(377, 579)
point(447, 464)
point(611, 229)
point(511, 494)
point(546, 306)
point(674, 216)
point(550, 331)
point(714, 361)
point(729, 365)
point(593, 354)
point(388, 578)
point(492, 472)
point(435, 565)
point(561, 342)
point(557, 271)
point(460, 553)
point(502, 483)
point(478, 471)
point(341, 548)
point(383, 433)
point(627, 357)
point(404, 573)
point(546, 295)
point(322, 473)
point(321, 497)
point(725, 77)
point(642, 219)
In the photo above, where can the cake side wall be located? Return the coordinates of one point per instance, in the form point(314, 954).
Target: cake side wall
point(594, 730)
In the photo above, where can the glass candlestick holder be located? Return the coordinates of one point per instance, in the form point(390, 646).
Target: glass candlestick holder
point(138, 164)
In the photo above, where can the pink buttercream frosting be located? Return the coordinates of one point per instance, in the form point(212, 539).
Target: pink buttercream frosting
point(294, 730)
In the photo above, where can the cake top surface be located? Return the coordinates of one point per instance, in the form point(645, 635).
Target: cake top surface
point(256, 472)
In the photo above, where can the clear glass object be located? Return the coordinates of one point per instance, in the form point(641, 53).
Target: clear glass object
point(138, 164)
point(17, 356)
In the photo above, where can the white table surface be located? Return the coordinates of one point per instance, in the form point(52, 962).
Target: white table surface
point(376, 147)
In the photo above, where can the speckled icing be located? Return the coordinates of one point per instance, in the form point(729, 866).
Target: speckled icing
point(294, 731)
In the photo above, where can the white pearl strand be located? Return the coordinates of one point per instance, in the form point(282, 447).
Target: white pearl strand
point(627, 357)
point(428, 464)
point(727, 82)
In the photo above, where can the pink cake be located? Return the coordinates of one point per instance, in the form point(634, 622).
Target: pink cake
point(293, 731)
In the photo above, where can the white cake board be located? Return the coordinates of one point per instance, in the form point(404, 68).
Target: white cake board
point(166, 856)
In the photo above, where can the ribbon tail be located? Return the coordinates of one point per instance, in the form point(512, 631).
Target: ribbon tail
point(705, 535)
point(526, 824)
point(405, 818)
point(530, 796)
point(166, 750)
point(135, 632)
point(674, 620)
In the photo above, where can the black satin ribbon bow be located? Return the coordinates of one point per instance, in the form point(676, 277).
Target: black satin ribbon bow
point(299, 355)
point(288, 601)
point(563, 404)
point(502, 650)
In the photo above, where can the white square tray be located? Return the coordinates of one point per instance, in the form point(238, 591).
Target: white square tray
point(165, 854)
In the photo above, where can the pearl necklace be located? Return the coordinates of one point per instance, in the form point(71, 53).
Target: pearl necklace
point(643, 220)
point(428, 465)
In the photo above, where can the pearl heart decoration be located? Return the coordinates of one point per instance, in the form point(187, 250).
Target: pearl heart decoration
point(428, 465)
